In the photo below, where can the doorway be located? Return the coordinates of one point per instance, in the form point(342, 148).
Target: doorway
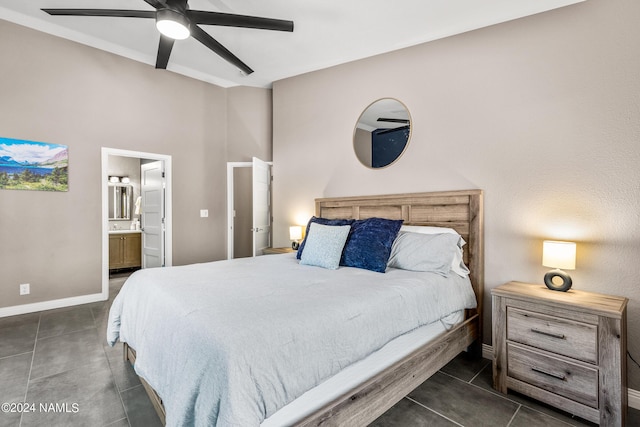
point(248, 208)
point(158, 194)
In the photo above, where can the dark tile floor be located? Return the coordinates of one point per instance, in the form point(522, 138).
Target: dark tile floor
point(60, 359)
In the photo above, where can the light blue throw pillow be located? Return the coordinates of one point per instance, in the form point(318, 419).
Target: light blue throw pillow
point(324, 245)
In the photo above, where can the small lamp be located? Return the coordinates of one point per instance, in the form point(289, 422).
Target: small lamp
point(558, 255)
point(295, 234)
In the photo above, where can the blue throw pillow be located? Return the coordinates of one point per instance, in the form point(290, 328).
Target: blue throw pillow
point(323, 221)
point(369, 243)
point(324, 245)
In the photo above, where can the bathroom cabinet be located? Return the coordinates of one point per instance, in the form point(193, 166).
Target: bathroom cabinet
point(125, 250)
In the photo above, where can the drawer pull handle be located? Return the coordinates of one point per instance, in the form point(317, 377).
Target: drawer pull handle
point(548, 373)
point(549, 334)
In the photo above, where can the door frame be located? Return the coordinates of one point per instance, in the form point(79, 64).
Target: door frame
point(168, 252)
point(230, 205)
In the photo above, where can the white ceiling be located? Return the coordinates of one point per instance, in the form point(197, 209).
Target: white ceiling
point(326, 32)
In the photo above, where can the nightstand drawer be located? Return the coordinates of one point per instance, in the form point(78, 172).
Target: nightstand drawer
point(559, 376)
point(563, 336)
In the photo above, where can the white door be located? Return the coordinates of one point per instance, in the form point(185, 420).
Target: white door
point(261, 206)
point(152, 192)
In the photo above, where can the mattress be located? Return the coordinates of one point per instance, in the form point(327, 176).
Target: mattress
point(360, 371)
point(230, 343)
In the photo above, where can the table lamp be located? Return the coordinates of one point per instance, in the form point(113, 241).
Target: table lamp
point(295, 234)
point(558, 255)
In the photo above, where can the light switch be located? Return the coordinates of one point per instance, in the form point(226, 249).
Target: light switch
point(204, 213)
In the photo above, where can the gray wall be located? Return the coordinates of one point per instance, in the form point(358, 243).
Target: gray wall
point(53, 90)
point(249, 124)
point(543, 113)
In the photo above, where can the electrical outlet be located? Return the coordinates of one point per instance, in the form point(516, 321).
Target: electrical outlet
point(25, 289)
point(204, 213)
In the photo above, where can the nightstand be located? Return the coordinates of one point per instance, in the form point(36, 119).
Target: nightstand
point(567, 349)
point(271, 251)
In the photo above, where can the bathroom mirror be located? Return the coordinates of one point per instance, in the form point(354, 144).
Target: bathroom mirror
point(382, 133)
point(120, 201)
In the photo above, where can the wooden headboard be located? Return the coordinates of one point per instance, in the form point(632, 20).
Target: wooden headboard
point(460, 210)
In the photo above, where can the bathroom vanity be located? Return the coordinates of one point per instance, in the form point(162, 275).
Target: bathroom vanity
point(125, 249)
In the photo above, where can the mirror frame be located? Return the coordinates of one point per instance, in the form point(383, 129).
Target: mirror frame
point(358, 123)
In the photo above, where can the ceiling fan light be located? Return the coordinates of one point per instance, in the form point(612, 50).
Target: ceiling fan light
point(172, 24)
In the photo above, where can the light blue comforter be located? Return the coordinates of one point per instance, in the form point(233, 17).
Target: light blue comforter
point(228, 343)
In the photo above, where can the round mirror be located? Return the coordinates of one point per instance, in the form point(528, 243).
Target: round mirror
point(382, 133)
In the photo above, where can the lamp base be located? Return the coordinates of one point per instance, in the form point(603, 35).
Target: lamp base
point(295, 246)
point(566, 280)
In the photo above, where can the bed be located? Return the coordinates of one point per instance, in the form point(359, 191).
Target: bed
point(352, 387)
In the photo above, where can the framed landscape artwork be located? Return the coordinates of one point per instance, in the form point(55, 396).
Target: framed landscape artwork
point(30, 165)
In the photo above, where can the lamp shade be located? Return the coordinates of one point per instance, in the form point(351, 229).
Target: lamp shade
point(295, 232)
point(560, 255)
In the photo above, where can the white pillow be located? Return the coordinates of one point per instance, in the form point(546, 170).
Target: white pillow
point(424, 252)
point(427, 229)
point(457, 265)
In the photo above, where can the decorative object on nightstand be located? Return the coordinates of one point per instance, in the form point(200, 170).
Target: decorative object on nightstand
point(295, 234)
point(558, 255)
point(567, 349)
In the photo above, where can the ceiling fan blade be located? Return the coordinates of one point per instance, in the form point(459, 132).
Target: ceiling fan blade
point(176, 4)
point(103, 12)
point(382, 119)
point(232, 20)
point(164, 51)
point(382, 132)
point(204, 38)
point(156, 3)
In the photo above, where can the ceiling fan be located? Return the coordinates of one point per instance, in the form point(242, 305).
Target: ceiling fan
point(176, 21)
point(383, 119)
point(404, 124)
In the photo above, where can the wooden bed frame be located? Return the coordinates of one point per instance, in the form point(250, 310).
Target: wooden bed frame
point(460, 210)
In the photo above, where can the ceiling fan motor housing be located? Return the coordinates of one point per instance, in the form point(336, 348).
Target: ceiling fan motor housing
point(173, 23)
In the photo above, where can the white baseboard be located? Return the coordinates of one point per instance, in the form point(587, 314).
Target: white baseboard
point(487, 351)
point(634, 398)
point(50, 305)
point(633, 395)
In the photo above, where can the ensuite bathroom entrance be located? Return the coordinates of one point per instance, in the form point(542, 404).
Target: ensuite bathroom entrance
point(136, 212)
